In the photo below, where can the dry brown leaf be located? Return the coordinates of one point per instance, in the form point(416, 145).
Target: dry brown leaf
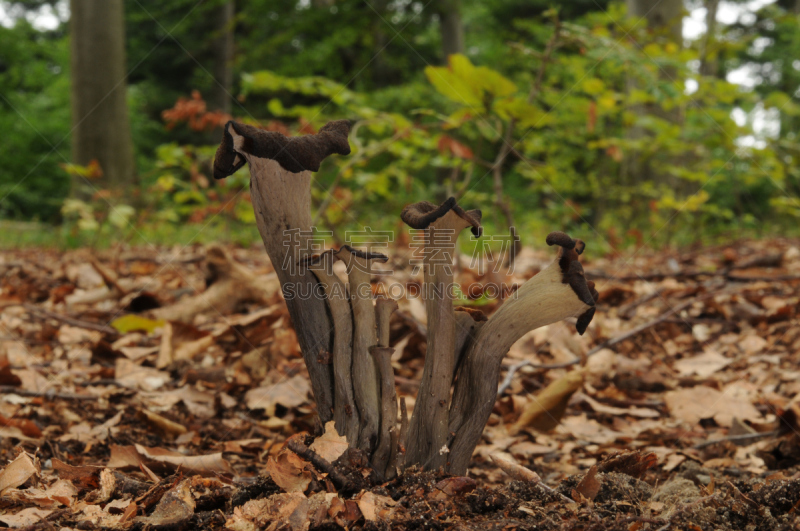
point(85, 433)
point(61, 492)
point(162, 424)
point(288, 471)
point(190, 349)
point(211, 464)
point(134, 376)
point(589, 485)
point(545, 410)
point(633, 411)
point(25, 517)
point(289, 393)
point(18, 472)
point(27, 427)
point(344, 513)
point(165, 352)
point(86, 476)
point(632, 463)
point(701, 402)
point(703, 365)
point(331, 445)
point(375, 507)
point(175, 507)
point(123, 457)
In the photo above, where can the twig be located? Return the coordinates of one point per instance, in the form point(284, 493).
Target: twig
point(73, 321)
point(736, 438)
point(605, 344)
point(50, 395)
point(320, 462)
point(526, 475)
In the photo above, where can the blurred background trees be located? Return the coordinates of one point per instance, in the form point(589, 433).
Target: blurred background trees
point(646, 122)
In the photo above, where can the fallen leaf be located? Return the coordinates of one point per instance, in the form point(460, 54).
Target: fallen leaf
point(211, 464)
point(703, 365)
point(701, 402)
point(18, 472)
point(86, 476)
point(331, 445)
point(374, 507)
point(132, 375)
point(633, 411)
point(631, 463)
point(163, 424)
point(545, 410)
point(25, 517)
point(173, 509)
point(589, 485)
point(289, 393)
point(132, 323)
point(288, 471)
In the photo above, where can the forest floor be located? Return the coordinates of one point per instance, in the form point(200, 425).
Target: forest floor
point(144, 389)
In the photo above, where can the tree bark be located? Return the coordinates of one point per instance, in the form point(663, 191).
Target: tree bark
point(451, 28)
point(101, 129)
point(223, 59)
point(708, 66)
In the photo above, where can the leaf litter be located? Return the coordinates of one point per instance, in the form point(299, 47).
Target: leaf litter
point(678, 409)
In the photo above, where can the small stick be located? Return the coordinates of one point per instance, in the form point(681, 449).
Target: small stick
point(50, 395)
point(401, 446)
point(526, 475)
point(73, 321)
point(735, 438)
point(320, 462)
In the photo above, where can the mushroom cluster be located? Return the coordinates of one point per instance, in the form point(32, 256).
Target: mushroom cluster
point(354, 384)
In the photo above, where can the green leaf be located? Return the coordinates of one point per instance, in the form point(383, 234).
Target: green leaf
point(131, 322)
point(449, 85)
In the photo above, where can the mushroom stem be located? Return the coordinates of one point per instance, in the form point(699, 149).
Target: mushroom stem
point(365, 373)
point(383, 453)
point(428, 431)
point(557, 292)
point(280, 188)
point(468, 322)
point(384, 308)
point(398, 458)
point(345, 412)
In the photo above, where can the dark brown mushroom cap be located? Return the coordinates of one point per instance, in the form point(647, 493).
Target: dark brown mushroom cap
point(564, 240)
point(380, 257)
point(294, 154)
point(572, 274)
point(421, 215)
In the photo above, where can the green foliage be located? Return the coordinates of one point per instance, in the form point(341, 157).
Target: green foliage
point(599, 135)
point(35, 120)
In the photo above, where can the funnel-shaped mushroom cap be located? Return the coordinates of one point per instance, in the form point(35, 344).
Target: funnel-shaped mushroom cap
point(572, 274)
point(421, 215)
point(294, 154)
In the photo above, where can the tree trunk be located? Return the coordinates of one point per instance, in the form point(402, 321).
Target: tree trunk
point(220, 99)
point(101, 129)
point(451, 28)
point(708, 66)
